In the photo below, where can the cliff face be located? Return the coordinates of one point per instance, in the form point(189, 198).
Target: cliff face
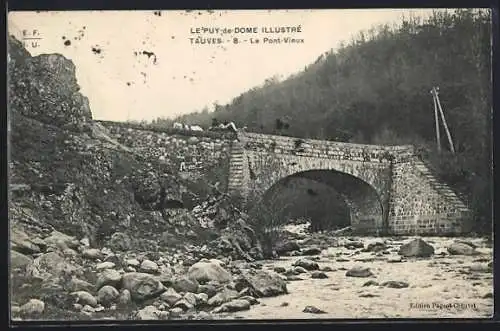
point(64, 170)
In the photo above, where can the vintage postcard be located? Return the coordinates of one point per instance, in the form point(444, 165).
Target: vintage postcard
point(250, 164)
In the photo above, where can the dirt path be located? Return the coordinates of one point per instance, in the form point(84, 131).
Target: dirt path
point(440, 286)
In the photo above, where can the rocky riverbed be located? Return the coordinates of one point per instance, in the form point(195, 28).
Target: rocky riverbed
point(444, 285)
point(317, 276)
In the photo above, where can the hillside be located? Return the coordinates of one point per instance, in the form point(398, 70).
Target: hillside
point(376, 90)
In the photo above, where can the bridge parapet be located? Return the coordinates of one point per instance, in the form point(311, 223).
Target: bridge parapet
point(326, 149)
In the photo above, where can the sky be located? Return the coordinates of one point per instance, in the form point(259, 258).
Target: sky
point(176, 75)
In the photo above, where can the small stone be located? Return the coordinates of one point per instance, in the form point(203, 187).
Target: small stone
point(480, 267)
point(107, 295)
point(170, 296)
point(203, 315)
point(163, 315)
point(142, 285)
point(191, 298)
point(92, 253)
point(209, 289)
point(359, 271)
point(184, 284)
point(293, 278)
point(394, 259)
point(105, 265)
point(125, 298)
point(376, 245)
point(299, 270)
point(176, 312)
point(108, 277)
point(371, 283)
point(133, 263)
point(313, 310)
point(311, 251)
point(201, 299)
point(279, 270)
point(306, 264)
point(251, 299)
point(75, 285)
point(183, 304)
point(233, 306)
point(85, 298)
point(85, 242)
point(395, 284)
point(88, 309)
point(148, 313)
point(341, 259)
point(149, 267)
point(318, 275)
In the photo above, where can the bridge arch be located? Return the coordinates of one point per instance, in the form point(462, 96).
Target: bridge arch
point(362, 199)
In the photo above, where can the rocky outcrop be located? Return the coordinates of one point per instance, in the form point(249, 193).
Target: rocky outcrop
point(44, 87)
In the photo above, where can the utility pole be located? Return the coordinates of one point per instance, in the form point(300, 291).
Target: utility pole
point(436, 120)
point(448, 134)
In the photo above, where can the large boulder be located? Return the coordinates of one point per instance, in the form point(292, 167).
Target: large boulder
point(205, 271)
point(261, 283)
point(239, 241)
point(461, 248)
point(416, 248)
point(142, 286)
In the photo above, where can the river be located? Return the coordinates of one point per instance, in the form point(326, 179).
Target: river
point(443, 285)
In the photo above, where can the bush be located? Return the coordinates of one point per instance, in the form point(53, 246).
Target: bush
point(266, 220)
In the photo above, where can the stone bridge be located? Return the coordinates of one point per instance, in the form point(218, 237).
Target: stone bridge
point(388, 189)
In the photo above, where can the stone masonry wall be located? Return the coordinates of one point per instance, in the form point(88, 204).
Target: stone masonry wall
point(420, 205)
point(325, 149)
point(193, 154)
